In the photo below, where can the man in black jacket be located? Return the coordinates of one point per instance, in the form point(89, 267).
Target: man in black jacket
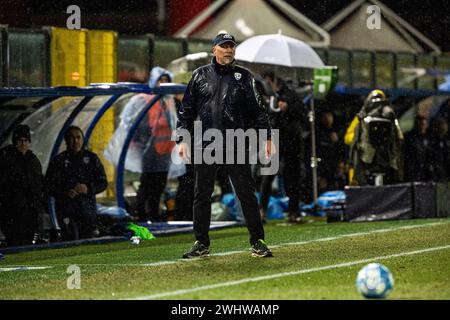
point(440, 150)
point(418, 152)
point(223, 96)
point(288, 119)
point(21, 189)
point(74, 177)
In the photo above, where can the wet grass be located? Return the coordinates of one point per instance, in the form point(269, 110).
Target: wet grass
point(119, 270)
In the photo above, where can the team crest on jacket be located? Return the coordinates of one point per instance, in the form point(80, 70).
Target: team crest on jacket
point(86, 160)
point(237, 75)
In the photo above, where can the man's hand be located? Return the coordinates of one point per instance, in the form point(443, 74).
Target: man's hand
point(334, 137)
point(81, 188)
point(72, 194)
point(283, 105)
point(184, 152)
point(270, 149)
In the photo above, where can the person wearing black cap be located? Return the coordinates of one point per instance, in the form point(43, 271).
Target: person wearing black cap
point(21, 189)
point(74, 177)
point(223, 96)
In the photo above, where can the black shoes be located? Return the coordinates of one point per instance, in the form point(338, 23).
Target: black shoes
point(293, 219)
point(197, 250)
point(260, 249)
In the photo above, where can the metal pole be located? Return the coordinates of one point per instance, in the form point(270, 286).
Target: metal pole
point(123, 153)
point(314, 160)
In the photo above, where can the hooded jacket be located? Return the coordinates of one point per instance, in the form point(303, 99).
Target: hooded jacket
point(150, 148)
point(222, 97)
point(155, 131)
point(156, 74)
point(374, 147)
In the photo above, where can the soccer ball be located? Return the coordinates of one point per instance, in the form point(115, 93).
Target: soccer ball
point(135, 240)
point(374, 281)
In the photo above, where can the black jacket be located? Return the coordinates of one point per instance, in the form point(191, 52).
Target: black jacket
point(65, 171)
point(21, 181)
point(289, 122)
point(222, 97)
point(440, 158)
point(418, 157)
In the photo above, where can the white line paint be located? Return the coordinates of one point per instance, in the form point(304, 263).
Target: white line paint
point(285, 274)
point(22, 268)
point(227, 253)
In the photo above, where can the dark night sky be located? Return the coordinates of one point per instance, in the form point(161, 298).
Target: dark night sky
point(431, 17)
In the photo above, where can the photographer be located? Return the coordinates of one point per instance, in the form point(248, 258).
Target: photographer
point(375, 150)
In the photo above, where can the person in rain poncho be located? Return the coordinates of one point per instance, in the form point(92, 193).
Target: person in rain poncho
point(376, 142)
point(150, 150)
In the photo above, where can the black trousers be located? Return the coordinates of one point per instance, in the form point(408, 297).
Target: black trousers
point(244, 185)
point(76, 228)
point(184, 200)
point(19, 226)
point(291, 176)
point(291, 173)
point(149, 195)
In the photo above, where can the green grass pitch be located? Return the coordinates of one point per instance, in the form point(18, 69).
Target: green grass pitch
point(314, 260)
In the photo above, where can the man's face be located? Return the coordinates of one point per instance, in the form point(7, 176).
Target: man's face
point(422, 126)
point(75, 140)
point(224, 53)
point(23, 145)
point(327, 119)
point(163, 79)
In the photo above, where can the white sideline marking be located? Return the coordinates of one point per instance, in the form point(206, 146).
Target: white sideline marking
point(284, 274)
point(227, 253)
point(357, 234)
point(22, 268)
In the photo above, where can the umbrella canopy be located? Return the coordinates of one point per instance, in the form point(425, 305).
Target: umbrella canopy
point(182, 67)
point(446, 85)
point(189, 62)
point(277, 49)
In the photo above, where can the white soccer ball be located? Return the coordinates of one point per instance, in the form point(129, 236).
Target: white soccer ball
point(374, 281)
point(135, 240)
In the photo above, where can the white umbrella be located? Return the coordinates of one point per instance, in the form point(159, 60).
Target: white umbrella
point(189, 62)
point(277, 49)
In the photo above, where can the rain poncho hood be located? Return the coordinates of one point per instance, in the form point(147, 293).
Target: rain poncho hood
point(156, 74)
point(141, 156)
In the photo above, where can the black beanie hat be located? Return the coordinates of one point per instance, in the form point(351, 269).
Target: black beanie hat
point(21, 131)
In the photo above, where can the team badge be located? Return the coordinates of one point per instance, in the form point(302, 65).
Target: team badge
point(237, 75)
point(86, 160)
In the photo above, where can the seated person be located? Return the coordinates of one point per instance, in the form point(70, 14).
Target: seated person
point(74, 177)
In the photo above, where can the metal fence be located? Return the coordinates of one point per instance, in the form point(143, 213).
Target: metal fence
point(25, 60)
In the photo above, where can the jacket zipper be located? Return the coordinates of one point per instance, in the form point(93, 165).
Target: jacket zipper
point(219, 92)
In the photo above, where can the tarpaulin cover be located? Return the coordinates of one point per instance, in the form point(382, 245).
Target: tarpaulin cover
point(371, 203)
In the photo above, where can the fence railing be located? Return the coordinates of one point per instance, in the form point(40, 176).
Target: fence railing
point(25, 61)
point(75, 112)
